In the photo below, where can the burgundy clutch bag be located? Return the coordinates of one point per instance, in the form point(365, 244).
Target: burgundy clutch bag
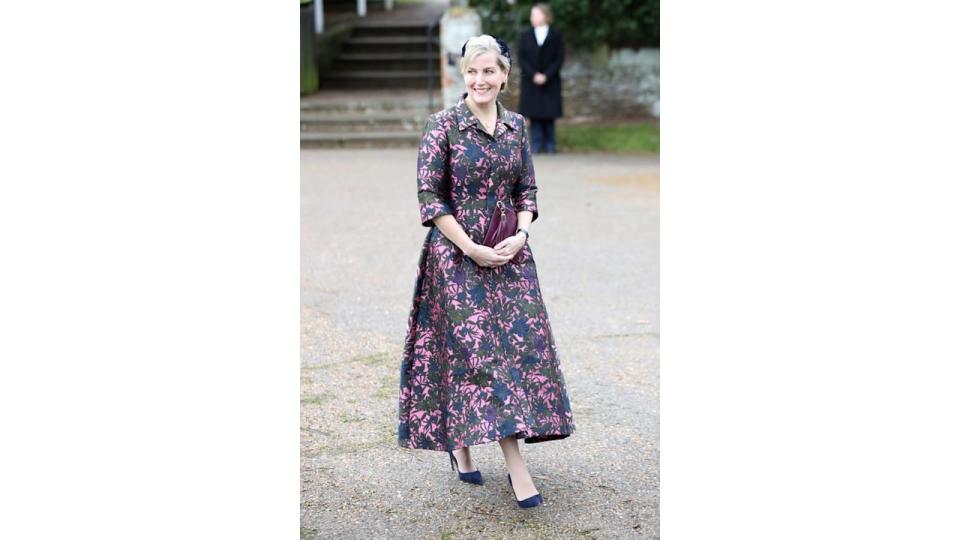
point(502, 226)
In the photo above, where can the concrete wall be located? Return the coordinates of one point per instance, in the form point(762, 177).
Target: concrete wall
point(328, 44)
point(606, 84)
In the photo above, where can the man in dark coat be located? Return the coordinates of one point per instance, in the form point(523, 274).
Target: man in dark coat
point(540, 53)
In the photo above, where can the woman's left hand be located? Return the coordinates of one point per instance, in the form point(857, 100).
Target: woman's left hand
point(510, 246)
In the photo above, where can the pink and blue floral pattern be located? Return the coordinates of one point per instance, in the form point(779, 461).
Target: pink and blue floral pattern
point(479, 360)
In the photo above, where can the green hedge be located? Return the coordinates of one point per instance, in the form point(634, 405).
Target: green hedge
point(586, 24)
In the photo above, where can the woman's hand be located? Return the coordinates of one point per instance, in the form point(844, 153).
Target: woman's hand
point(510, 246)
point(539, 79)
point(486, 256)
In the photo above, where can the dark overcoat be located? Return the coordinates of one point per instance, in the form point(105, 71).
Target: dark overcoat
point(541, 101)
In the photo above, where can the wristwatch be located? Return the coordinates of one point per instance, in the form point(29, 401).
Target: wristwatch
point(524, 231)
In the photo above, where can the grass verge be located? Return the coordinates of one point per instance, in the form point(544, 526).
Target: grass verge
point(630, 138)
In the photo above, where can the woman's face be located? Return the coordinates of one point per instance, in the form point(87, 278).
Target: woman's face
point(537, 18)
point(483, 78)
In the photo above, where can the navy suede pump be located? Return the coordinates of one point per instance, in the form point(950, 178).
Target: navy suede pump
point(471, 477)
point(529, 502)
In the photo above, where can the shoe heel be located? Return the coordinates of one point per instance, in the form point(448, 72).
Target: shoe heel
point(471, 477)
point(529, 502)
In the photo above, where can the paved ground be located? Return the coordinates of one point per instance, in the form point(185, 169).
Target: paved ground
point(597, 251)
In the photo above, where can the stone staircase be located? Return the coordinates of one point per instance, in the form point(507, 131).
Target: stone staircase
point(350, 6)
point(376, 93)
point(386, 53)
point(363, 119)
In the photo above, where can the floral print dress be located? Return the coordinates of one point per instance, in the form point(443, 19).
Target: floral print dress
point(479, 360)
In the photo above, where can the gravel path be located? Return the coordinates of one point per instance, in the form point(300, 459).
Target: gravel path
point(596, 243)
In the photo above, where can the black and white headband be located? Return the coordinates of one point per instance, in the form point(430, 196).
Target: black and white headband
point(504, 48)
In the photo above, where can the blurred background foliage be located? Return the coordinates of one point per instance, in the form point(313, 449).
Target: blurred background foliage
point(586, 24)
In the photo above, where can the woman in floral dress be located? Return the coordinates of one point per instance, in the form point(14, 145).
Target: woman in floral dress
point(479, 361)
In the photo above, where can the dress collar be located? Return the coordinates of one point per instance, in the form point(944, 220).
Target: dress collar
point(466, 118)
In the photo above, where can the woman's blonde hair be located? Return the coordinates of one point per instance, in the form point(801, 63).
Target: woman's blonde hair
point(481, 44)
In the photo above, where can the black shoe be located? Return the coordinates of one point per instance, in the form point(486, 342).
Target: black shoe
point(470, 477)
point(529, 502)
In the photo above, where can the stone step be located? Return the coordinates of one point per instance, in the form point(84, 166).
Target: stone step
point(391, 57)
point(327, 117)
point(367, 107)
point(389, 44)
point(402, 126)
point(398, 62)
point(384, 139)
point(350, 6)
point(391, 40)
point(374, 74)
point(373, 84)
point(414, 101)
point(359, 122)
point(392, 28)
point(378, 79)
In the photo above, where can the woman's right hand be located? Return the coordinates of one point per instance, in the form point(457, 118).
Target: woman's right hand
point(486, 256)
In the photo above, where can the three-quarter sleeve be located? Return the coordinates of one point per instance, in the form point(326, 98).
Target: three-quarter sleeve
point(525, 190)
point(433, 184)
